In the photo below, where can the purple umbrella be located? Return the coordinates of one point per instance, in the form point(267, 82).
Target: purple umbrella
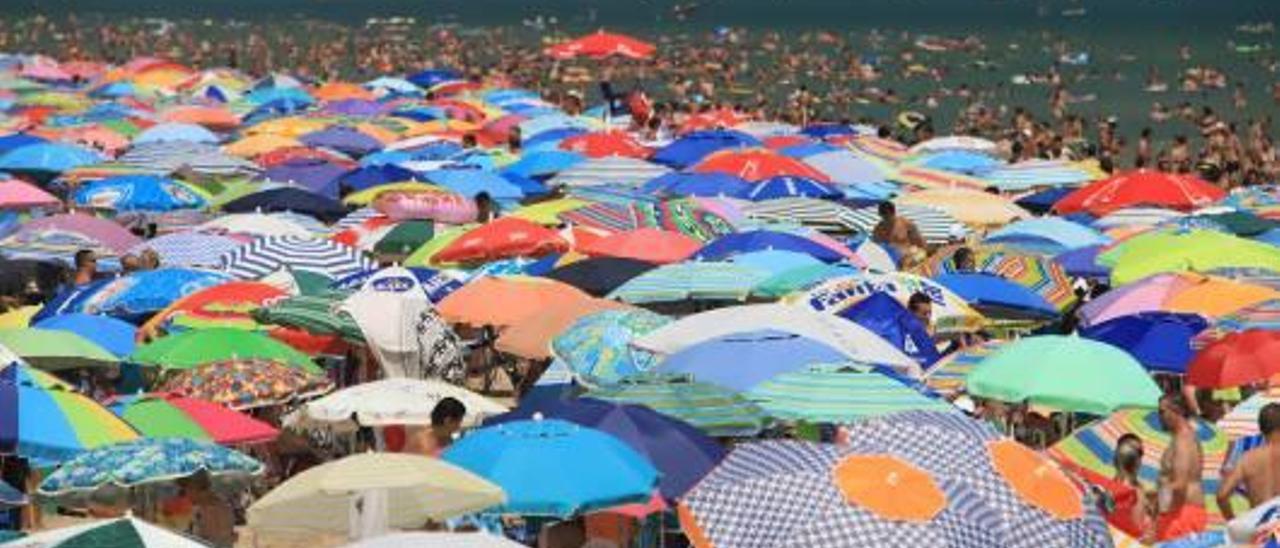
point(312, 174)
point(344, 139)
point(355, 107)
point(60, 236)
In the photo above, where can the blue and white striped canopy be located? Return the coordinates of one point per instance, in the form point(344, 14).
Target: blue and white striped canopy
point(264, 256)
point(189, 249)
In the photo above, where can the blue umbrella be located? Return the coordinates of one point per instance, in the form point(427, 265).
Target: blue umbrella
point(430, 77)
point(530, 187)
point(1041, 202)
point(266, 96)
point(742, 360)
point(189, 133)
point(48, 157)
point(758, 240)
point(1160, 341)
point(824, 130)
point(555, 468)
point(805, 150)
point(138, 193)
point(313, 174)
point(371, 175)
point(544, 163)
point(69, 300)
point(960, 161)
point(550, 139)
point(394, 86)
point(436, 284)
point(1047, 235)
point(1083, 263)
point(114, 335)
point(996, 296)
point(885, 316)
point(681, 452)
point(189, 249)
point(693, 147)
point(775, 261)
point(789, 186)
point(470, 182)
point(276, 108)
point(343, 139)
point(139, 294)
point(679, 183)
point(288, 198)
point(15, 140)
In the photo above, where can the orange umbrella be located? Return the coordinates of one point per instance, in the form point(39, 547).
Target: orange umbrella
point(214, 118)
point(712, 119)
point(757, 164)
point(338, 91)
point(503, 238)
point(1037, 480)
point(1213, 297)
point(532, 339)
point(605, 143)
point(890, 487)
point(502, 301)
point(257, 145)
point(602, 44)
point(225, 305)
point(646, 244)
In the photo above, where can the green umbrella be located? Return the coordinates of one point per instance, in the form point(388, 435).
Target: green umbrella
point(838, 395)
point(798, 279)
point(316, 313)
point(53, 350)
point(1178, 250)
point(1064, 373)
point(190, 349)
point(717, 411)
point(405, 238)
point(127, 531)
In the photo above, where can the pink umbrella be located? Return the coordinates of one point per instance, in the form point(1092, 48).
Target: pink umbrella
point(63, 235)
point(1142, 296)
point(15, 194)
point(45, 70)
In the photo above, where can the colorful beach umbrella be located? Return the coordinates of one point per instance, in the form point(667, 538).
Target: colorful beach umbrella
point(175, 416)
point(506, 300)
point(43, 418)
point(645, 244)
point(715, 410)
point(1160, 341)
point(757, 164)
point(972, 207)
point(61, 236)
point(55, 350)
point(950, 312)
point(596, 347)
point(145, 461)
point(270, 254)
point(502, 238)
point(691, 281)
point(839, 394)
point(1141, 188)
point(1176, 251)
point(141, 293)
point(247, 383)
point(194, 348)
point(1191, 293)
point(741, 361)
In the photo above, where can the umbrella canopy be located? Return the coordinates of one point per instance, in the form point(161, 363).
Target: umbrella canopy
point(126, 531)
point(596, 347)
point(645, 244)
point(1141, 188)
point(1238, 359)
point(532, 340)
point(605, 143)
point(43, 418)
point(602, 44)
point(788, 186)
point(948, 375)
point(15, 194)
point(190, 133)
point(416, 489)
point(54, 350)
point(715, 410)
point(1175, 251)
point(972, 207)
point(555, 468)
point(270, 254)
point(1046, 235)
point(47, 158)
point(1265, 315)
point(1160, 341)
point(191, 349)
point(692, 147)
point(224, 305)
point(919, 478)
point(839, 395)
point(950, 312)
point(61, 236)
point(314, 174)
point(1187, 293)
point(886, 317)
point(740, 361)
point(761, 240)
point(691, 281)
point(247, 383)
point(936, 226)
point(507, 300)
point(1047, 279)
point(757, 164)
point(189, 248)
point(996, 297)
point(609, 170)
point(145, 461)
point(504, 237)
point(288, 198)
point(697, 184)
point(144, 292)
point(397, 401)
point(1064, 373)
point(599, 276)
point(452, 540)
point(174, 416)
point(259, 224)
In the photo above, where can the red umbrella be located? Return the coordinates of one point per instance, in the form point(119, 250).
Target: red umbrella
point(757, 164)
point(1238, 359)
point(712, 119)
point(645, 244)
point(503, 238)
point(783, 141)
point(1141, 187)
point(605, 143)
point(285, 155)
point(602, 44)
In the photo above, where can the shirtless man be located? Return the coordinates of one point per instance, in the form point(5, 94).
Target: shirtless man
point(446, 420)
point(899, 233)
point(1179, 492)
point(1259, 472)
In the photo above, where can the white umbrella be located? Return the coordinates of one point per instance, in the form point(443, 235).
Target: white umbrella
point(126, 531)
point(257, 224)
point(437, 540)
point(397, 401)
point(851, 339)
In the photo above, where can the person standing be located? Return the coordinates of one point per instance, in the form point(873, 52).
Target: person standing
point(900, 234)
point(1179, 492)
point(1259, 473)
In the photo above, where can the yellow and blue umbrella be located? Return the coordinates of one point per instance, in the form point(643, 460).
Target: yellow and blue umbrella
point(43, 418)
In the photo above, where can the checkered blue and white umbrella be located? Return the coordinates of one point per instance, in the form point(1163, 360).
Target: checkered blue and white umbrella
point(189, 249)
point(793, 493)
point(264, 256)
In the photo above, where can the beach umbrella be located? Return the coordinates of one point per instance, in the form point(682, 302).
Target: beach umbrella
point(61, 236)
point(370, 176)
point(261, 224)
point(397, 401)
point(18, 318)
point(996, 297)
point(288, 198)
point(791, 280)
point(690, 281)
point(890, 320)
point(471, 182)
point(141, 293)
point(601, 275)
point(270, 254)
point(532, 340)
point(679, 184)
point(845, 167)
point(10, 141)
point(314, 174)
point(43, 418)
point(55, 350)
point(609, 170)
point(757, 164)
point(1034, 174)
point(774, 261)
point(839, 394)
point(960, 161)
point(605, 143)
point(197, 347)
point(555, 468)
point(741, 361)
point(1190, 293)
point(1046, 235)
point(789, 186)
point(950, 312)
point(947, 376)
point(600, 45)
point(345, 139)
point(188, 249)
point(1064, 373)
point(47, 158)
point(16, 194)
point(823, 215)
point(175, 416)
point(954, 143)
point(596, 346)
point(1160, 341)
point(1241, 422)
point(1238, 359)
point(412, 489)
point(1174, 251)
point(1083, 263)
point(214, 118)
point(1045, 278)
point(762, 239)
point(125, 531)
point(246, 383)
point(146, 461)
point(502, 301)
point(650, 245)
point(715, 410)
point(972, 207)
point(224, 305)
point(173, 131)
point(926, 178)
point(502, 238)
point(680, 453)
point(936, 226)
point(1141, 187)
point(477, 539)
point(435, 283)
point(199, 158)
point(917, 477)
point(692, 147)
point(1264, 316)
point(1092, 450)
point(544, 163)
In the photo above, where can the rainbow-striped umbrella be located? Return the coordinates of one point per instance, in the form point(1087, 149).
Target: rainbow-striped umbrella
point(43, 418)
point(1264, 315)
point(948, 375)
point(174, 416)
point(1041, 275)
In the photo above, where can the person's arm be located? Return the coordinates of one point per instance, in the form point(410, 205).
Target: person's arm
point(1227, 488)
point(913, 235)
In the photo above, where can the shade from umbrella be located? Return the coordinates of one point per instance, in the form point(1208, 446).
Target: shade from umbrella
point(916, 477)
point(1141, 188)
point(41, 417)
point(247, 383)
point(53, 350)
point(691, 281)
point(1064, 373)
point(273, 253)
point(715, 410)
point(1160, 341)
point(1238, 359)
point(144, 461)
point(1175, 251)
point(174, 416)
point(506, 300)
point(740, 361)
point(555, 468)
point(838, 395)
point(191, 349)
point(397, 401)
point(126, 531)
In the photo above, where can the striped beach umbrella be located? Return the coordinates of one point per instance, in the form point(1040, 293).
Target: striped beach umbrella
point(691, 281)
point(1041, 275)
point(1264, 316)
point(936, 226)
point(926, 178)
point(175, 416)
point(609, 170)
point(947, 377)
point(824, 215)
point(716, 411)
point(1242, 421)
point(314, 313)
point(44, 418)
point(273, 253)
point(1034, 174)
point(838, 395)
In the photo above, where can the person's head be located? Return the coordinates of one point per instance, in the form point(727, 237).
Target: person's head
point(469, 140)
point(130, 263)
point(86, 260)
point(484, 204)
point(964, 260)
point(1269, 419)
point(887, 210)
point(1174, 410)
point(150, 259)
point(921, 306)
point(448, 415)
point(1128, 456)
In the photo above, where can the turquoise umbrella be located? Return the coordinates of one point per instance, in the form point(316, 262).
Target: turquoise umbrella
point(145, 461)
point(717, 411)
point(804, 277)
point(597, 346)
point(775, 261)
point(691, 281)
point(839, 395)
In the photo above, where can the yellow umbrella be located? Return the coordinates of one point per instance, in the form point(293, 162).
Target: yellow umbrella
point(257, 145)
point(547, 213)
point(971, 207)
point(382, 133)
point(292, 126)
point(435, 127)
point(18, 318)
point(415, 489)
point(368, 195)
